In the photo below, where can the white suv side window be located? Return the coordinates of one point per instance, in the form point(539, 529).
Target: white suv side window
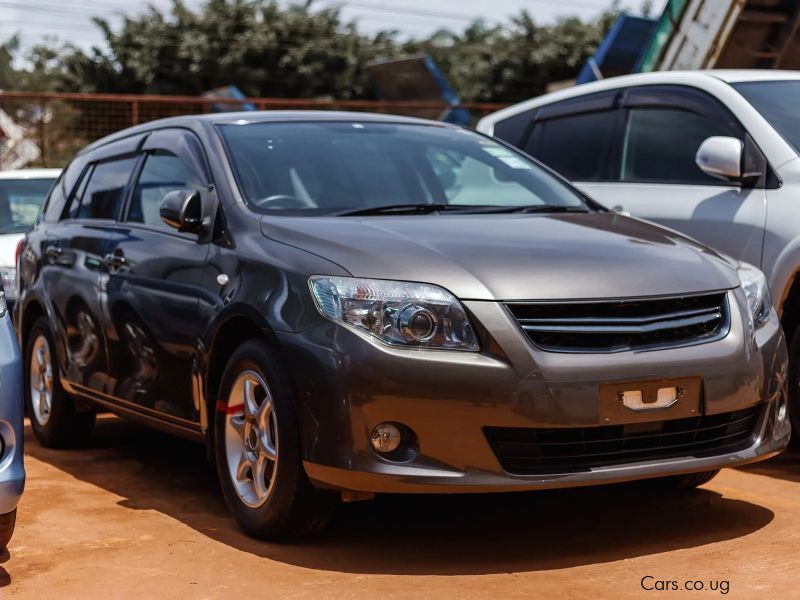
point(661, 143)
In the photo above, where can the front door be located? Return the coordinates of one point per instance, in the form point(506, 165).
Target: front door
point(154, 286)
point(660, 181)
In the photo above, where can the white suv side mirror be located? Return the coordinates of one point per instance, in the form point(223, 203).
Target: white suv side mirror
point(721, 157)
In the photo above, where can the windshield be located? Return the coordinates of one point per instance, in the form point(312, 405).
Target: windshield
point(777, 101)
point(325, 168)
point(20, 201)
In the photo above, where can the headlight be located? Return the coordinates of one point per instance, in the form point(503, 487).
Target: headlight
point(756, 290)
point(396, 312)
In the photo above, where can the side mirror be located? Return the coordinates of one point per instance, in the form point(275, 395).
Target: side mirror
point(182, 209)
point(721, 157)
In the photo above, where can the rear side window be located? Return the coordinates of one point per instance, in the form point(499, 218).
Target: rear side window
point(661, 143)
point(513, 128)
point(577, 146)
point(101, 191)
point(54, 204)
point(163, 172)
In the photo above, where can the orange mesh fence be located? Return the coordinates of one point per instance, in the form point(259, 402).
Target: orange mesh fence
point(46, 129)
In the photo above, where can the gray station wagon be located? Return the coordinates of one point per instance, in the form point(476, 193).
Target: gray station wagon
point(340, 304)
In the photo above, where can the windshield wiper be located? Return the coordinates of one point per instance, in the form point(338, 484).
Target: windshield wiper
point(418, 209)
point(548, 208)
point(425, 209)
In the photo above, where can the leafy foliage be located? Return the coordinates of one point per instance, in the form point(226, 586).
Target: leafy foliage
point(300, 51)
point(7, 71)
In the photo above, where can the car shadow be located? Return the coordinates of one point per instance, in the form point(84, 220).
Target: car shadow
point(431, 534)
point(785, 466)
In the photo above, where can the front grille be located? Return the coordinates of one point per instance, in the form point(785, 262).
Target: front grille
point(523, 451)
point(616, 326)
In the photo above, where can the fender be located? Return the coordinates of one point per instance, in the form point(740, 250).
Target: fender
point(204, 349)
point(782, 274)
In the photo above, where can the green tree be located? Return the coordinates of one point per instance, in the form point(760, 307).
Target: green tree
point(299, 51)
point(264, 49)
point(516, 61)
point(7, 70)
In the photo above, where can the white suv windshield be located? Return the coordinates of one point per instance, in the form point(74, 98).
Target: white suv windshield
point(777, 101)
point(324, 168)
point(20, 201)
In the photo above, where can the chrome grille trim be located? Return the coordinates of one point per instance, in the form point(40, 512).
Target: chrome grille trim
point(627, 324)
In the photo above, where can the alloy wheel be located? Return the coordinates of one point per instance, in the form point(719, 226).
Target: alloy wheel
point(251, 438)
point(41, 380)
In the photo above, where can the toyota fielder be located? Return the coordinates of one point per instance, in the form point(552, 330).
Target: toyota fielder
point(339, 304)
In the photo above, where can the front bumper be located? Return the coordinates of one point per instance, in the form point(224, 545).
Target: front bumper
point(347, 383)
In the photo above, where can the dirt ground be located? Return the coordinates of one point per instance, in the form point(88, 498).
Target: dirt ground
point(138, 515)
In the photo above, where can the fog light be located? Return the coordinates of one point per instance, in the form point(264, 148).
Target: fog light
point(385, 438)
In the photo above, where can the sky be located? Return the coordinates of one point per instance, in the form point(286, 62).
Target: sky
point(70, 20)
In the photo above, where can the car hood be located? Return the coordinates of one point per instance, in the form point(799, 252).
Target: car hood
point(514, 256)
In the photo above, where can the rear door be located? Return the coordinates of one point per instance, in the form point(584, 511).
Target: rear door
point(154, 285)
point(648, 165)
point(74, 273)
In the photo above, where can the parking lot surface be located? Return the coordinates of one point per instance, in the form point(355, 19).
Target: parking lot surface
point(138, 515)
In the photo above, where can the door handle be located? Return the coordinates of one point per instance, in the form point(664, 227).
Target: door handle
point(116, 261)
point(54, 252)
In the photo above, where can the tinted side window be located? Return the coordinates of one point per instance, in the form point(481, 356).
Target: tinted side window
point(577, 146)
point(661, 143)
point(102, 190)
point(77, 194)
point(54, 204)
point(163, 172)
point(512, 129)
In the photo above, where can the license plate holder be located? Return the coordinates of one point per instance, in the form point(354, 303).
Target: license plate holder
point(619, 403)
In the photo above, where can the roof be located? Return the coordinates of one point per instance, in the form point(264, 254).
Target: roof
point(741, 75)
point(30, 174)
point(263, 116)
point(651, 78)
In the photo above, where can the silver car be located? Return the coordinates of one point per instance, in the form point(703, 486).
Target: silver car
point(713, 154)
point(12, 470)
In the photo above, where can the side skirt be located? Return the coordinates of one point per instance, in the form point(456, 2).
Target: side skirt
point(146, 416)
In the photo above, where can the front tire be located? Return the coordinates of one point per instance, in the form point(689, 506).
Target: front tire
point(257, 450)
point(681, 483)
point(54, 420)
point(794, 386)
point(7, 522)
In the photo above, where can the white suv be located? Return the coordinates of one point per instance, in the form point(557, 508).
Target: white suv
point(714, 154)
point(22, 192)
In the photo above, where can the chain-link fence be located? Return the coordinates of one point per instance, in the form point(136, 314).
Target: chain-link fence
point(46, 129)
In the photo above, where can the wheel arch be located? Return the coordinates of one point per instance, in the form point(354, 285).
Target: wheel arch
point(229, 331)
point(27, 317)
point(784, 283)
point(789, 307)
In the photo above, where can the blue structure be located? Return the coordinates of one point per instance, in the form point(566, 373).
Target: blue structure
point(234, 97)
point(620, 50)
